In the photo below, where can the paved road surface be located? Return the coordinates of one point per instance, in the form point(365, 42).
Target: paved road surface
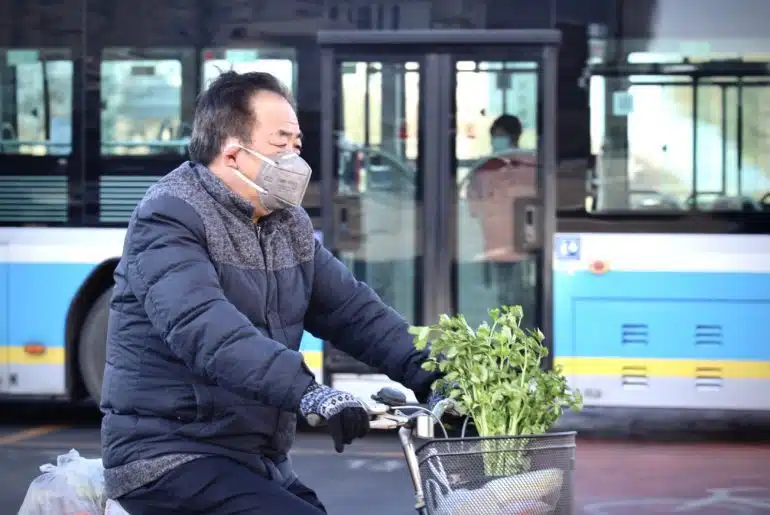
point(370, 478)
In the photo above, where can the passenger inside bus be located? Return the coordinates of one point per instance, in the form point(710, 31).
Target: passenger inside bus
point(508, 174)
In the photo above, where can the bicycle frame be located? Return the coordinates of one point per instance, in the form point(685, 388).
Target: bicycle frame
point(407, 445)
point(387, 413)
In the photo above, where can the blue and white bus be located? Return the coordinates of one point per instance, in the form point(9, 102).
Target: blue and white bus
point(645, 260)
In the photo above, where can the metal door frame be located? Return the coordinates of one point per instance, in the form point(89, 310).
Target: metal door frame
point(435, 50)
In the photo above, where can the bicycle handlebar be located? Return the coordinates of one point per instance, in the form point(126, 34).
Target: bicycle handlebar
point(386, 412)
point(381, 416)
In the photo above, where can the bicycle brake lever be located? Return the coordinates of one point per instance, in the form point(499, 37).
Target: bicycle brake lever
point(376, 408)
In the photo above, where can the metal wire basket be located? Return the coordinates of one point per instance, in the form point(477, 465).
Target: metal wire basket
point(506, 475)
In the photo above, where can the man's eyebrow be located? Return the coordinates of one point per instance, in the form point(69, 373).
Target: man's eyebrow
point(289, 134)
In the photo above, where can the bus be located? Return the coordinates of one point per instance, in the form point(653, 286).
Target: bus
point(640, 251)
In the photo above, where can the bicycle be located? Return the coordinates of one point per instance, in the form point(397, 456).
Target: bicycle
point(509, 475)
point(531, 475)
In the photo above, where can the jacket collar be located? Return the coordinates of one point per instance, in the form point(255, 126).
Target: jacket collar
point(221, 193)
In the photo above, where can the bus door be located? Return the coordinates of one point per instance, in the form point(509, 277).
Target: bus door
point(423, 207)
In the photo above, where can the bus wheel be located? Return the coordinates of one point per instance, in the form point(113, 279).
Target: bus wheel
point(92, 350)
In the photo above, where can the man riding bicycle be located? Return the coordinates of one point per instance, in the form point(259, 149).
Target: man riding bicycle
point(220, 275)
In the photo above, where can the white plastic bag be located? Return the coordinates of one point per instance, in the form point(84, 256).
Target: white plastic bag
point(74, 486)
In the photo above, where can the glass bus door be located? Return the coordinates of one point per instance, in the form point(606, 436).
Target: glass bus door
point(425, 210)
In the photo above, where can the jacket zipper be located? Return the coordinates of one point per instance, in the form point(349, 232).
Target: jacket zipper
point(267, 312)
point(267, 277)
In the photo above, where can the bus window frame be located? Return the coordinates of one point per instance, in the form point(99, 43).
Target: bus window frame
point(180, 55)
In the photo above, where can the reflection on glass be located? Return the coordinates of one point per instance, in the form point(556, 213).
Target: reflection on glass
point(36, 102)
point(497, 164)
point(375, 204)
point(660, 143)
point(142, 104)
point(754, 178)
point(280, 62)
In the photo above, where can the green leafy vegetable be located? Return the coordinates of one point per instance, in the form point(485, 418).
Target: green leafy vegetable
point(494, 373)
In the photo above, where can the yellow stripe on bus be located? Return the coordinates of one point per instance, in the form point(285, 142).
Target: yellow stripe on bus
point(572, 366)
point(684, 368)
point(17, 356)
point(55, 356)
point(314, 359)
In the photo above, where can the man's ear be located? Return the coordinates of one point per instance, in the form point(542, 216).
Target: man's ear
point(229, 153)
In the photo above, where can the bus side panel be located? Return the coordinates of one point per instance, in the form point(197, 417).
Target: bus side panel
point(46, 267)
point(4, 298)
point(41, 270)
point(40, 296)
point(664, 321)
point(312, 350)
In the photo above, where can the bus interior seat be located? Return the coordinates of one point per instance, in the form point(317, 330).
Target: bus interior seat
point(736, 203)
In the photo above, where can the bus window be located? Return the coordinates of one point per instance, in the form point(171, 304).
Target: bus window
point(280, 62)
point(35, 102)
point(142, 103)
point(709, 154)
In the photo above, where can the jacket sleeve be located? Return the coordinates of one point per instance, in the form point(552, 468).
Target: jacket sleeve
point(171, 273)
point(351, 316)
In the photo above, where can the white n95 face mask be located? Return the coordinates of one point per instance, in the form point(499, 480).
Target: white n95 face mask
point(282, 179)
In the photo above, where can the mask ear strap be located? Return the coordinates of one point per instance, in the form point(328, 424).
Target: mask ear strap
point(248, 181)
point(254, 153)
point(261, 156)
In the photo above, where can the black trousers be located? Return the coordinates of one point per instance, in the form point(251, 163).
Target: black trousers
point(220, 486)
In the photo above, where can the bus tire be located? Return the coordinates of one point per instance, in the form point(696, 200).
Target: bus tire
point(92, 346)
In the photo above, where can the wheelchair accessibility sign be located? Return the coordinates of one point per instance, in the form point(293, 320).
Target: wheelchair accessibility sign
point(567, 248)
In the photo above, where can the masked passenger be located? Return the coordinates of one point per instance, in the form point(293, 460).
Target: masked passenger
point(509, 173)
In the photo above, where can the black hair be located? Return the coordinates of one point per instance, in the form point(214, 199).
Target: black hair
point(224, 110)
point(509, 124)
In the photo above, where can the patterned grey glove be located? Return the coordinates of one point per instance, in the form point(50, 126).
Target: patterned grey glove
point(345, 417)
